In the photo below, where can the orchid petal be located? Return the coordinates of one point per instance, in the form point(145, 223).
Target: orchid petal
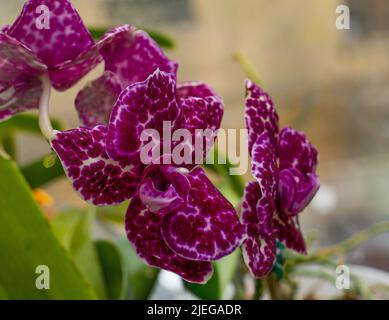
point(264, 165)
point(94, 103)
point(22, 95)
point(66, 74)
point(20, 86)
point(261, 115)
point(287, 230)
point(143, 229)
point(97, 178)
point(144, 105)
point(57, 37)
point(208, 227)
point(296, 151)
point(296, 190)
point(203, 111)
point(134, 55)
point(259, 249)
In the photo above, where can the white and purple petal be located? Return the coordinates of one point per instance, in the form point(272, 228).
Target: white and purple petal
point(52, 29)
point(20, 86)
point(134, 55)
point(98, 179)
point(143, 229)
point(21, 95)
point(260, 114)
point(264, 165)
point(194, 89)
point(208, 227)
point(95, 102)
point(144, 105)
point(259, 249)
point(203, 111)
point(296, 151)
point(66, 74)
point(287, 230)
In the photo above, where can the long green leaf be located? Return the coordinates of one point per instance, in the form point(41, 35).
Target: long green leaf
point(38, 175)
point(27, 241)
point(115, 273)
point(73, 228)
point(141, 277)
point(26, 122)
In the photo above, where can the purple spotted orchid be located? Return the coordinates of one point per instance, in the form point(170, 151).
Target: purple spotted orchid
point(48, 45)
point(177, 219)
point(284, 165)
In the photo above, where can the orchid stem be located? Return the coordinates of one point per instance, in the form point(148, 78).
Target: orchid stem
point(44, 118)
point(272, 285)
point(3, 153)
point(247, 68)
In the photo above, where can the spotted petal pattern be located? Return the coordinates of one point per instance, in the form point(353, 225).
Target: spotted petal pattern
point(143, 229)
point(264, 165)
point(66, 74)
point(134, 55)
point(20, 86)
point(207, 228)
point(287, 230)
point(203, 111)
point(260, 114)
point(144, 105)
point(52, 29)
point(194, 89)
point(22, 95)
point(296, 151)
point(97, 178)
point(259, 249)
point(94, 103)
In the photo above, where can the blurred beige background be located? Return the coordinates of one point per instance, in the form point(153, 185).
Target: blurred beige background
point(333, 84)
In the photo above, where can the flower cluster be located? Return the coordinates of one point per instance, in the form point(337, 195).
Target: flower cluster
point(284, 165)
point(177, 219)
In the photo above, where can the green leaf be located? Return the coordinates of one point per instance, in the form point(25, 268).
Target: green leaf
point(223, 274)
point(37, 174)
point(113, 213)
point(141, 277)
point(27, 241)
point(26, 122)
point(114, 271)
point(164, 40)
point(3, 294)
point(73, 229)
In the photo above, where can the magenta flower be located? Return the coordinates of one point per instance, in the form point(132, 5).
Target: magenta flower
point(48, 39)
point(284, 165)
point(177, 219)
point(131, 57)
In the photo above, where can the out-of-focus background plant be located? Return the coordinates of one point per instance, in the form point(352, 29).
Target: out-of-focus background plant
point(330, 83)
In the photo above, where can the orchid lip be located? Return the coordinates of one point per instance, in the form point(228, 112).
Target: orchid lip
point(164, 188)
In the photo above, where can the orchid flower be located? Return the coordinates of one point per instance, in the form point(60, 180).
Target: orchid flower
point(47, 46)
point(177, 219)
point(284, 165)
point(131, 57)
